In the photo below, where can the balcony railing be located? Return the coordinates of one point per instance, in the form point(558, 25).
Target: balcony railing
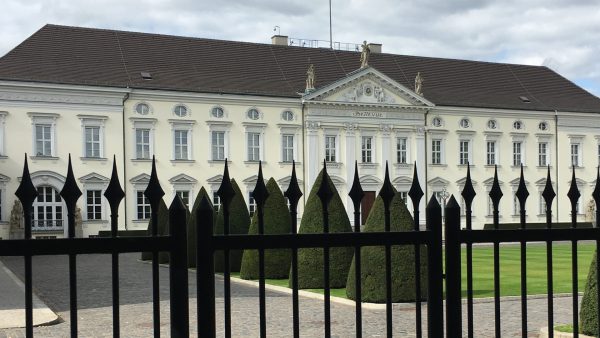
point(47, 225)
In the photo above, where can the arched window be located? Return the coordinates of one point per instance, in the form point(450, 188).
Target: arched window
point(48, 210)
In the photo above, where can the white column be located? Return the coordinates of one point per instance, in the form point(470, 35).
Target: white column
point(350, 159)
point(312, 153)
point(386, 143)
point(420, 149)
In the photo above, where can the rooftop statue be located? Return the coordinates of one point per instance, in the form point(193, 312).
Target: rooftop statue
point(310, 78)
point(419, 84)
point(364, 55)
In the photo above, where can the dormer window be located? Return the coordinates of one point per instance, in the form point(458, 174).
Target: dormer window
point(146, 75)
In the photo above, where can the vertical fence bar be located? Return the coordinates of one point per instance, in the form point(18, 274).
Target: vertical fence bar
point(522, 195)
point(178, 272)
point(496, 195)
point(70, 194)
point(154, 194)
point(114, 194)
point(435, 310)
point(260, 195)
point(205, 271)
point(27, 193)
point(549, 195)
point(468, 195)
point(226, 194)
point(416, 193)
point(453, 274)
point(596, 196)
point(574, 196)
point(387, 193)
point(325, 194)
point(293, 195)
point(356, 194)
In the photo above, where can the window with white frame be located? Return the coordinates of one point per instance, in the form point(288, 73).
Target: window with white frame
point(251, 203)
point(218, 145)
point(92, 142)
point(142, 206)
point(216, 201)
point(142, 143)
point(576, 154)
point(287, 147)
point(367, 149)
point(44, 134)
point(94, 204)
point(404, 196)
point(517, 153)
point(491, 155)
point(401, 150)
point(464, 151)
point(181, 145)
point(185, 197)
point(490, 206)
point(330, 148)
point(515, 204)
point(541, 204)
point(143, 133)
point(2, 119)
point(543, 154)
point(436, 151)
point(253, 142)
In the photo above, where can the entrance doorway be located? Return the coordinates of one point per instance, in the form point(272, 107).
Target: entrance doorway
point(366, 205)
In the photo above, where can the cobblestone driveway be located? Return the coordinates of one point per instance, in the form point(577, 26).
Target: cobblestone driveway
point(95, 312)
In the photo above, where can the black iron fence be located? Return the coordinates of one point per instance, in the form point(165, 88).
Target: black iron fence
point(208, 244)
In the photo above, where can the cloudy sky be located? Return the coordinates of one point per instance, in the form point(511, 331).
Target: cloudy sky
point(561, 34)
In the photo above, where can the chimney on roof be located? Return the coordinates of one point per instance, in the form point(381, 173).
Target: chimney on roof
point(375, 48)
point(281, 40)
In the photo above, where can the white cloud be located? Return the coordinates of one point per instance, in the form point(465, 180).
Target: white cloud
point(562, 34)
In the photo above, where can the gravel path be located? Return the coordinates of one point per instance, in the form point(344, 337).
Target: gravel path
point(95, 312)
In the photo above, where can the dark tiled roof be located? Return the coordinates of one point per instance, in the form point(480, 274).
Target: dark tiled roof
point(73, 55)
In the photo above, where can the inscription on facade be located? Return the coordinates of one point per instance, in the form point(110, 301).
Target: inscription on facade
point(372, 114)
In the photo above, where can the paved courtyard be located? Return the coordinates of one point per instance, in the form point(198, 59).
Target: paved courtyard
point(95, 311)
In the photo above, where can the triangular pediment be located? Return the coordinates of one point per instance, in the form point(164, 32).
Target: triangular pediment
point(368, 86)
point(141, 178)
point(370, 179)
point(402, 180)
point(93, 178)
point(182, 179)
point(517, 180)
point(490, 181)
point(284, 183)
point(438, 181)
point(215, 179)
point(463, 180)
point(4, 178)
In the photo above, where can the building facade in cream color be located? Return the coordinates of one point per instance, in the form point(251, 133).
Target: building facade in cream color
point(277, 104)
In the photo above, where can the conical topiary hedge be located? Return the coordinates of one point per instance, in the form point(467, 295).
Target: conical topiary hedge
point(191, 227)
point(310, 260)
point(403, 259)
point(239, 222)
point(163, 230)
point(589, 306)
point(277, 220)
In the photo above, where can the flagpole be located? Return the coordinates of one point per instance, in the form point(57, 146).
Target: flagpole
point(330, 31)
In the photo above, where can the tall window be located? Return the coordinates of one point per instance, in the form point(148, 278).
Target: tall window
point(436, 151)
point(463, 152)
point(253, 147)
point(542, 204)
point(43, 140)
point(490, 153)
point(142, 206)
point(94, 204)
point(92, 142)
point(367, 149)
point(185, 197)
point(218, 145)
point(330, 148)
point(401, 151)
point(181, 144)
point(543, 154)
point(47, 209)
point(142, 143)
point(287, 147)
point(251, 203)
point(517, 159)
point(575, 156)
point(404, 196)
point(216, 201)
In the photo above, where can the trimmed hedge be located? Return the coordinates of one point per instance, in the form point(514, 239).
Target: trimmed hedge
point(310, 260)
point(589, 307)
point(163, 230)
point(191, 227)
point(239, 223)
point(403, 259)
point(277, 220)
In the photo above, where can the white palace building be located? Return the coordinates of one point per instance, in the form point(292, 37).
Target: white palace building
point(193, 102)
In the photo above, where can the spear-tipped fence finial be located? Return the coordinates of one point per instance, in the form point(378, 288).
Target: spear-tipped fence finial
point(356, 192)
point(70, 191)
point(522, 192)
point(293, 192)
point(154, 192)
point(226, 191)
point(387, 190)
point(573, 193)
point(548, 194)
point(26, 192)
point(415, 193)
point(468, 193)
point(260, 192)
point(324, 192)
point(114, 193)
point(496, 193)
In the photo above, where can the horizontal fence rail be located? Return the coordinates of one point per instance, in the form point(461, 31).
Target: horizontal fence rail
point(449, 226)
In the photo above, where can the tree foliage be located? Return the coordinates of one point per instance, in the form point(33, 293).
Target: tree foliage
point(589, 305)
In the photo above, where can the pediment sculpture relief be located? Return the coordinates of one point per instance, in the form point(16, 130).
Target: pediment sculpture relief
point(367, 92)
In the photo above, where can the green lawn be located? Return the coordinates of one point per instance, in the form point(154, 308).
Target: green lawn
point(510, 270)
